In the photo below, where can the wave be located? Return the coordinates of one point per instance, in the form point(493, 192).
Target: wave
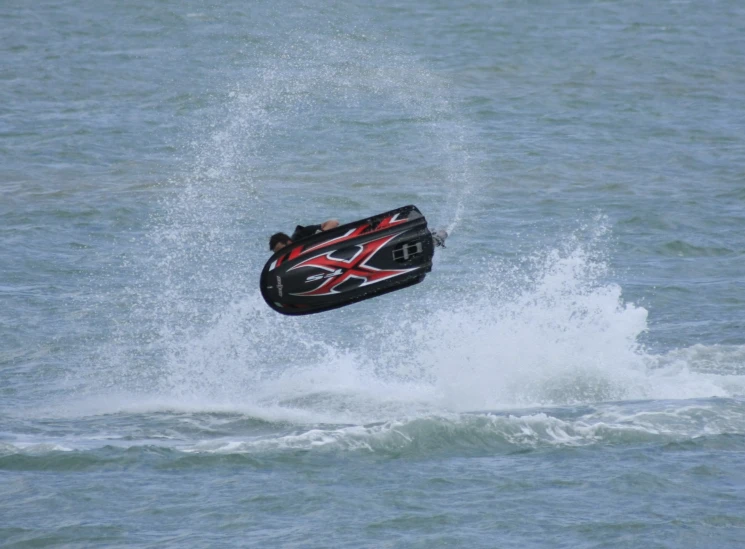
point(678, 426)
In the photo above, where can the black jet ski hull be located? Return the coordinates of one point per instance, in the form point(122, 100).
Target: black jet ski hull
point(350, 263)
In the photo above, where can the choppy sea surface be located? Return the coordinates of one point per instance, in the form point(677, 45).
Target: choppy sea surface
point(570, 375)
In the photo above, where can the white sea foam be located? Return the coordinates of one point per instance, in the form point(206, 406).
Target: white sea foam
point(562, 337)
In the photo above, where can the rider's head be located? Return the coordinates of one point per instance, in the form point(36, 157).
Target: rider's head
point(279, 241)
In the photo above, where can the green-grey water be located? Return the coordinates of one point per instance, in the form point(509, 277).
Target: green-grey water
point(571, 373)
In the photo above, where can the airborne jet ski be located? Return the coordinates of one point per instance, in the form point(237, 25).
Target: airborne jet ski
point(352, 262)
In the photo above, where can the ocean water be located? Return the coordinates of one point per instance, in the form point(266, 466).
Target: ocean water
point(571, 373)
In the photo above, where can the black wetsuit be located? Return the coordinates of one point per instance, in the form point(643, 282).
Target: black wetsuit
point(304, 232)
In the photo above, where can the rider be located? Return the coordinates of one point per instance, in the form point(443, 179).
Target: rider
point(279, 240)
